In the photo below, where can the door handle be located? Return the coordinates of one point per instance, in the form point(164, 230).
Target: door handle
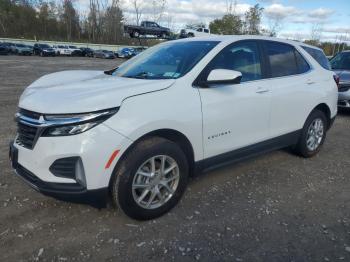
point(261, 90)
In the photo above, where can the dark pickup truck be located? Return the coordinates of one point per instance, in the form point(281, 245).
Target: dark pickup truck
point(147, 28)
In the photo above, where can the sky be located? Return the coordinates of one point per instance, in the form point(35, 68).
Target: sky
point(297, 19)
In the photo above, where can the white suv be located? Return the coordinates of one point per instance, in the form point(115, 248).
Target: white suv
point(138, 131)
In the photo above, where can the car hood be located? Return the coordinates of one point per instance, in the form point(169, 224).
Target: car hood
point(82, 91)
point(344, 75)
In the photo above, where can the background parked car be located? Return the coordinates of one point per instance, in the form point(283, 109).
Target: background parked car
point(88, 52)
point(147, 28)
point(196, 32)
point(62, 50)
point(104, 54)
point(125, 52)
point(75, 51)
point(4, 50)
point(139, 50)
point(9, 46)
point(21, 49)
point(341, 66)
point(44, 50)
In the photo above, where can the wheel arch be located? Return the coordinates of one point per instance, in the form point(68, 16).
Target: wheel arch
point(170, 134)
point(323, 107)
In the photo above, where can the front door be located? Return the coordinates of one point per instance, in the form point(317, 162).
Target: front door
point(236, 115)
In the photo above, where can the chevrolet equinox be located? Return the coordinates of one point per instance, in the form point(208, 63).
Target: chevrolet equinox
point(135, 133)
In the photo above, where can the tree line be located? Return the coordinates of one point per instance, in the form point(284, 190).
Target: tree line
point(47, 20)
point(103, 21)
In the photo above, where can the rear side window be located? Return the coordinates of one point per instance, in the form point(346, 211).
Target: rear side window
point(319, 56)
point(282, 59)
point(303, 66)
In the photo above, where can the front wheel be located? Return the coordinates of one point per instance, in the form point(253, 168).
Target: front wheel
point(313, 134)
point(151, 179)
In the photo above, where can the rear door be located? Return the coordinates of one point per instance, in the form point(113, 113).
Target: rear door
point(291, 84)
point(236, 115)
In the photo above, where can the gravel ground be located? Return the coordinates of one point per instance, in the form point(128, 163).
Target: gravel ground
point(277, 207)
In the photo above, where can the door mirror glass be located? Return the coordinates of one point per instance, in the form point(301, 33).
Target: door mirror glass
point(224, 76)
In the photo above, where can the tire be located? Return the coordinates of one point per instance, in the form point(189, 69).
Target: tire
point(136, 34)
point(302, 148)
point(190, 35)
point(164, 35)
point(127, 174)
point(41, 54)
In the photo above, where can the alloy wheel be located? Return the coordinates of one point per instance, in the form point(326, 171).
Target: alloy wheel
point(155, 182)
point(315, 134)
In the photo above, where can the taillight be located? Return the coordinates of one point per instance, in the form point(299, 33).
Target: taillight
point(336, 79)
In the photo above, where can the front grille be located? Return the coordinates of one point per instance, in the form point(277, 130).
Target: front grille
point(64, 167)
point(26, 135)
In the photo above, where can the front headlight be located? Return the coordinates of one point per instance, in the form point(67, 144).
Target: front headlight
point(72, 124)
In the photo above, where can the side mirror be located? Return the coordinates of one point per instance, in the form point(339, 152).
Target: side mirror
point(223, 76)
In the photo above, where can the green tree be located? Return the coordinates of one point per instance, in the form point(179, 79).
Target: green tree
point(252, 20)
point(229, 24)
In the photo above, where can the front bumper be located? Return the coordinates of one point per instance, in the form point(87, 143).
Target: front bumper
point(94, 147)
point(344, 97)
point(68, 192)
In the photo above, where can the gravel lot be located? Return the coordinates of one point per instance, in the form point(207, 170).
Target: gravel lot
point(277, 207)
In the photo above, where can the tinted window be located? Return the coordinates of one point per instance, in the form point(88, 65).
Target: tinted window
point(206, 30)
point(341, 61)
point(169, 60)
point(243, 57)
point(319, 56)
point(282, 59)
point(303, 66)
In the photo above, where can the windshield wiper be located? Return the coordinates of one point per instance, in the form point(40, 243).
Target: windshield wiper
point(111, 71)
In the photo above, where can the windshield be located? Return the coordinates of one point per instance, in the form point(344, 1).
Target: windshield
point(20, 45)
point(166, 61)
point(72, 46)
point(341, 61)
point(44, 46)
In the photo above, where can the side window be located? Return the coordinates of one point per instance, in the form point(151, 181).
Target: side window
point(206, 30)
point(341, 61)
point(243, 57)
point(319, 56)
point(282, 59)
point(303, 66)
